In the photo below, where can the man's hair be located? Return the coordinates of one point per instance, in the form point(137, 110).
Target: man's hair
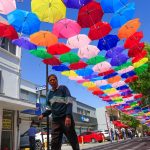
point(52, 75)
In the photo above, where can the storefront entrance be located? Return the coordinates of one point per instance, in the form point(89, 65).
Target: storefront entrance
point(7, 130)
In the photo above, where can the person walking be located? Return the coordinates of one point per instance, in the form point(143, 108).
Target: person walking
point(31, 132)
point(59, 101)
point(117, 134)
point(123, 133)
point(112, 134)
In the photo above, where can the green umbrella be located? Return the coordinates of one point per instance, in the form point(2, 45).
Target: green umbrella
point(69, 57)
point(41, 53)
point(123, 66)
point(95, 60)
point(141, 69)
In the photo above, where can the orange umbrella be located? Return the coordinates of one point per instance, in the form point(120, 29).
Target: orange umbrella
point(43, 38)
point(129, 28)
point(114, 79)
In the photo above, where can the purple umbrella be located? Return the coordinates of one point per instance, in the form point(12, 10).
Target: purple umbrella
point(75, 3)
point(114, 51)
point(118, 59)
point(24, 42)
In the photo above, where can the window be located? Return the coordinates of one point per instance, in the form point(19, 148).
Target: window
point(7, 45)
point(24, 95)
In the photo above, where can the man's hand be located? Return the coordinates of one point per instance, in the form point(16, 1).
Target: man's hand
point(40, 117)
point(67, 122)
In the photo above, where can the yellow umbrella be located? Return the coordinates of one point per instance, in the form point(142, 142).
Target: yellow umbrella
point(69, 73)
point(89, 84)
point(49, 10)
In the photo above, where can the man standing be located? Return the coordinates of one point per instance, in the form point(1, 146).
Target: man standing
point(59, 101)
point(31, 132)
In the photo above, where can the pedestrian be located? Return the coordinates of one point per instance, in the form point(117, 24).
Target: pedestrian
point(59, 101)
point(129, 133)
point(117, 134)
point(32, 132)
point(112, 134)
point(123, 133)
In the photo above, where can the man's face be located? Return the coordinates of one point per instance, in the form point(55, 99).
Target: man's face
point(53, 81)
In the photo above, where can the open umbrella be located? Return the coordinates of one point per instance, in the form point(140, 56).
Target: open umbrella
point(109, 71)
point(99, 30)
point(125, 70)
point(112, 6)
point(8, 31)
point(58, 49)
point(66, 28)
point(52, 61)
point(88, 51)
point(84, 72)
point(95, 60)
point(3, 20)
point(78, 41)
point(69, 57)
point(108, 42)
point(75, 3)
point(101, 82)
point(114, 79)
point(24, 42)
point(129, 28)
point(139, 56)
point(49, 10)
point(43, 38)
point(7, 6)
point(61, 68)
point(77, 65)
point(24, 22)
point(122, 15)
point(90, 14)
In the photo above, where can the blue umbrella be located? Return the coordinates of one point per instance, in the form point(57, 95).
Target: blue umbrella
point(110, 75)
point(108, 42)
point(84, 72)
point(24, 22)
point(126, 93)
point(60, 68)
point(91, 76)
point(96, 78)
point(128, 74)
point(111, 6)
point(24, 42)
point(114, 51)
point(122, 87)
point(105, 87)
point(75, 3)
point(122, 15)
point(119, 60)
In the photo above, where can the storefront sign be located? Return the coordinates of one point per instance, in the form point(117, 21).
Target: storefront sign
point(85, 119)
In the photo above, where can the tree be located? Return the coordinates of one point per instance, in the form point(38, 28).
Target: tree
point(142, 85)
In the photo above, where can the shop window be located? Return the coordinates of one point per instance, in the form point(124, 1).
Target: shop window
point(7, 45)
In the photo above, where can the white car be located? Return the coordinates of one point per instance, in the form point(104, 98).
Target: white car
point(106, 134)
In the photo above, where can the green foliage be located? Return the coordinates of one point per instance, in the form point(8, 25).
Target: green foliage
point(142, 85)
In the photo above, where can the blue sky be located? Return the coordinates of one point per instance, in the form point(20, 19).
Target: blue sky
point(32, 68)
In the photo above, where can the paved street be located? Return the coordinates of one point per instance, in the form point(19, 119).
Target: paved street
point(134, 144)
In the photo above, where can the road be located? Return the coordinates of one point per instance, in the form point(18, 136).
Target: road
point(129, 144)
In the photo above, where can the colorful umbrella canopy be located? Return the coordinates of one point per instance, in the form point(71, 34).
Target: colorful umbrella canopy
point(66, 28)
point(24, 42)
point(58, 49)
point(24, 22)
point(123, 15)
point(99, 30)
point(61, 68)
point(112, 6)
point(8, 31)
point(7, 6)
point(108, 42)
point(90, 14)
point(41, 53)
point(88, 51)
point(129, 28)
point(52, 61)
point(43, 38)
point(114, 51)
point(78, 65)
point(95, 60)
point(75, 3)
point(69, 57)
point(133, 40)
point(49, 10)
point(78, 41)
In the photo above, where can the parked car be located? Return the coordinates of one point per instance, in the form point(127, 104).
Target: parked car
point(91, 136)
point(106, 134)
point(41, 137)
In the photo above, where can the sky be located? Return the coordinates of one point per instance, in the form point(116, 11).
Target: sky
point(33, 69)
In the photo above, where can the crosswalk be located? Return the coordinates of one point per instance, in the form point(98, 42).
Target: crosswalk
point(134, 144)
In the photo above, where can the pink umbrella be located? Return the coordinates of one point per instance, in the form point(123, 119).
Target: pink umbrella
point(102, 67)
point(130, 68)
point(101, 82)
point(76, 78)
point(82, 80)
point(78, 41)
point(66, 28)
point(118, 84)
point(7, 6)
point(88, 51)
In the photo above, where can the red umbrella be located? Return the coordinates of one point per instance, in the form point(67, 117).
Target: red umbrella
point(58, 49)
point(136, 49)
point(106, 72)
point(98, 92)
point(77, 65)
point(137, 96)
point(99, 30)
point(139, 56)
point(8, 31)
point(90, 14)
point(52, 61)
point(133, 40)
point(131, 79)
